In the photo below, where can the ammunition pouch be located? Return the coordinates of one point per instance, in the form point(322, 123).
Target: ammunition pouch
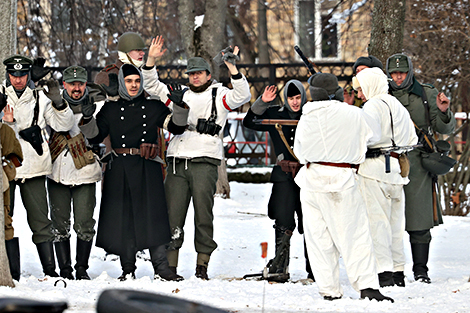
point(57, 144)
point(34, 137)
point(287, 166)
point(404, 162)
point(80, 154)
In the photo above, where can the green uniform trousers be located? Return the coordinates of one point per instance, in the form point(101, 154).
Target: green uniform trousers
point(34, 197)
point(83, 199)
point(196, 179)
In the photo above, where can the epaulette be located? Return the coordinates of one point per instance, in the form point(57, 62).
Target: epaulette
point(428, 85)
point(109, 67)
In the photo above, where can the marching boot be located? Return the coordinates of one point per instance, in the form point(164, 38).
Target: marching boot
point(399, 278)
point(386, 279)
point(279, 266)
point(46, 256)
point(160, 264)
point(202, 262)
point(374, 294)
point(62, 250)
point(128, 262)
point(420, 254)
point(172, 257)
point(13, 252)
point(83, 254)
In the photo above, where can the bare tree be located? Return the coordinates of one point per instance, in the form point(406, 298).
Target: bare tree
point(388, 24)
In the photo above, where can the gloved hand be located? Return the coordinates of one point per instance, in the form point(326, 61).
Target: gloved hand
point(38, 71)
point(226, 55)
point(3, 101)
point(148, 150)
point(176, 95)
point(112, 89)
point(96, 92)
point(88, 107)
point(53, 93)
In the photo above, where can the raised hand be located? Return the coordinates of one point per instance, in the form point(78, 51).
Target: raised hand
point(8, 114)
point(88, 107)
point(156, 50)
point(442, 102)
point(230, 59)
point(176, 94)
point(269, 94)
point(53, 93)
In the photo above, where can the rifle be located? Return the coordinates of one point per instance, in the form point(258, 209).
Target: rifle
point(386, 151)
point(307, 63)
point(268, 121)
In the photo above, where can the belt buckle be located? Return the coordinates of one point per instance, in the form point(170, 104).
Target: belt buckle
point(131, 151)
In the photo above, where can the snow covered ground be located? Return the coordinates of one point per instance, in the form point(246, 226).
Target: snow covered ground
point(241, 225)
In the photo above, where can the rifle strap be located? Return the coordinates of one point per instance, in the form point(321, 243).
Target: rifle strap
point(281, 133)
point(214, 108)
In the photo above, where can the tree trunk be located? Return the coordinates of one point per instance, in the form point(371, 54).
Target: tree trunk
point(263, 52)
point(388, 25)
point(206, 41)
point(7, 47)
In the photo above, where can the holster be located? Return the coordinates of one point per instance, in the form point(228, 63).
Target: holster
point(33, 136)
point(80, 154)
point(149, 150)
point(287, 166)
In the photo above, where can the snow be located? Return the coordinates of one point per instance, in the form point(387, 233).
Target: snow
point(241, 225)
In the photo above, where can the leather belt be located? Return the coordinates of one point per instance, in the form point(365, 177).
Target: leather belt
point(395, 155)
point(131, 151)
point(348, 165)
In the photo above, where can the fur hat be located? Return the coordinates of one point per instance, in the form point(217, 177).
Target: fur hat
point(369, 61)
point(324, 86)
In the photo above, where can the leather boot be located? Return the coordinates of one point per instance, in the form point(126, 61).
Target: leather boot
point(308, 268)
point(386, 279)
point(62, 250)
point(13, 252)
point(202, 262)
point(420, 254)
point(280, 264)
point(399, 278)
point(46, 256)
point(83, 254)
point(374, 294)
point(160, 264)
point(128, 260)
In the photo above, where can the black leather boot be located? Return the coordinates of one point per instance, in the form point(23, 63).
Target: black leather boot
point(279, 266)
point(420, 253)
point(160, 264)
point(374, 294)
point(399, 278)
point(128, 260)
point(62, 250)
point(308, 268)
point(46, 256)
point(13, 252)
point(83, 254)
point(386, 279)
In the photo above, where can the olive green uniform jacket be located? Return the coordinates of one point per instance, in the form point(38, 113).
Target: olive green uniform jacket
point(419, 213)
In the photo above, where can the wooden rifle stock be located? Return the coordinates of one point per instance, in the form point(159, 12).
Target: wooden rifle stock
point(276, 121)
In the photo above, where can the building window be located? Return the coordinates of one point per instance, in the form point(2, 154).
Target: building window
point(316, 35)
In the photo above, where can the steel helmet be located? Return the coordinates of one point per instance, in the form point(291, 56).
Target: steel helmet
point(130, 41)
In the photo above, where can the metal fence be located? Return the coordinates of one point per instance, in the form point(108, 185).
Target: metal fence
point(244, 146)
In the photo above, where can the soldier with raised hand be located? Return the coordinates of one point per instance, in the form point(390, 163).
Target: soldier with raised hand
point(429, 110)
point(28, 112)
point(284, 202)
point(75, 171)
point(194, 155)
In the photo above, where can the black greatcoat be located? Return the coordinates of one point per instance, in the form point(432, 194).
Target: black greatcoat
point(285, 195)
point(133, 204)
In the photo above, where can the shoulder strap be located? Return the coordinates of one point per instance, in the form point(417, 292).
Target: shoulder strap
point(424, 97)
point(391, 124)
point(214, 108)
point(36, 108)
point(281, 133)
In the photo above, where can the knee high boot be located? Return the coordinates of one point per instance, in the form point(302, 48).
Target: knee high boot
point(420, 254)
point(128, 260)
point(308, 267)
point(13, 252)
point(62, 250)
point(83, 254)
point(160, 264)
point(280, 263)
point(46, 256)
